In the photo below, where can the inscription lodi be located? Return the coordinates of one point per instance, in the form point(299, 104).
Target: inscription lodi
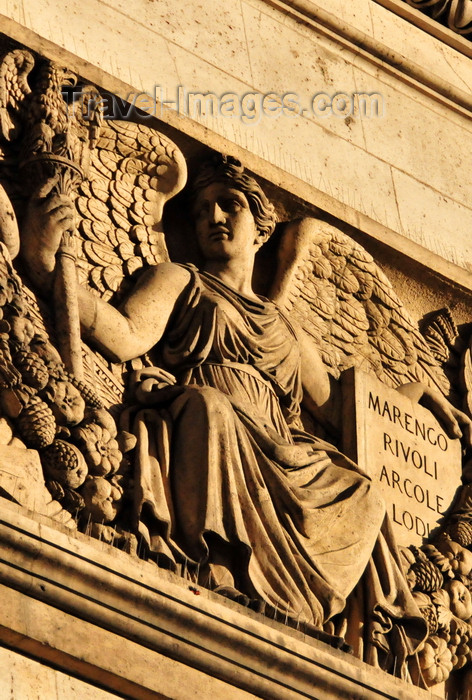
point(402, 446)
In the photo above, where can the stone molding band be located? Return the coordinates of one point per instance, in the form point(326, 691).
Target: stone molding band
point(261, 657)
point(305, 12)
point(373, 50)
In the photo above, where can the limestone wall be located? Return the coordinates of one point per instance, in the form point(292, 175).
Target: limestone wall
point(26, 678)
point(402, 177)
point(399, 178)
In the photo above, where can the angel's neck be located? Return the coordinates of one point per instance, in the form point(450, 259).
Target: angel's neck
point(234, 274)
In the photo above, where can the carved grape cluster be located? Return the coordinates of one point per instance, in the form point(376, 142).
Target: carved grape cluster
point(80, 448)
point(440, 576)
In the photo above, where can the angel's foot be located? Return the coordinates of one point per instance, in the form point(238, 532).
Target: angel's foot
point(332, 639)
point(233, 594)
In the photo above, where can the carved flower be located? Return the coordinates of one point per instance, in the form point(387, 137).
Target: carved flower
point(460, 600)
point(101, 450)
point(102, 499)
point(435, 660)
point(460, 559)
point(67, 403)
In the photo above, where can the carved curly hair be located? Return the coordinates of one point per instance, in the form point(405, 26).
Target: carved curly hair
point(229, 170)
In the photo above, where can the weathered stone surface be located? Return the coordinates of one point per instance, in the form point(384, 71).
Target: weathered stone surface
point(379, 175)
point(21, 477)
point(405, 451)
point(309, 153)
point(27, 679)
point(22, 481)
point(148, 634)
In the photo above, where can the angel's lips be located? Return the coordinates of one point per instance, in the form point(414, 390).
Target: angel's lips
point(219, 234)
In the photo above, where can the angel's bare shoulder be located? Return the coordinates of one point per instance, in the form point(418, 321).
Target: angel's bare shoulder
point(165, 278)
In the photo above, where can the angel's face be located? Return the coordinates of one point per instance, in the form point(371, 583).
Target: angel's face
point(224, 223)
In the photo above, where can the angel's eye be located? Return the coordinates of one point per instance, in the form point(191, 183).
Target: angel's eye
point(201, 210)
point(231, 205)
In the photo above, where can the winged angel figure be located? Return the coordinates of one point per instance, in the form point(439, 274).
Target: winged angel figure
point(226, 479)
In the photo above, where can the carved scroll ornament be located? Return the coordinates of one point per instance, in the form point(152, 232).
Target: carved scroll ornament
point(455, 14)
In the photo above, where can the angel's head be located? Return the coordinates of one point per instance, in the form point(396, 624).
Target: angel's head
point(222, 184)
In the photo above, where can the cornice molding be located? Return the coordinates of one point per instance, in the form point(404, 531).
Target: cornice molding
point(312, 14)
point(135, 602)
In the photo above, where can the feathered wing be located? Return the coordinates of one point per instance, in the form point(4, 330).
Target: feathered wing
point(133, 171)
point(340, 297)
point(15, 67)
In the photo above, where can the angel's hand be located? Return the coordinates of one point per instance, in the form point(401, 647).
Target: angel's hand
point(456, 423)
point(145, 382)
point(48, 217)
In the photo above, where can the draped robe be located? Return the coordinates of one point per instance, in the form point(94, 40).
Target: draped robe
point(228, 481)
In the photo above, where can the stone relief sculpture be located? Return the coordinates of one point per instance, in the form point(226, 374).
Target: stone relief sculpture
point(455, 14)
point(208, 462)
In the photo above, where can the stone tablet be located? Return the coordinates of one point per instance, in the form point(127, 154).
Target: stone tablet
point(405, 450)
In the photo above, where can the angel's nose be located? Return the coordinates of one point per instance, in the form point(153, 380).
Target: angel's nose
point(217, 215)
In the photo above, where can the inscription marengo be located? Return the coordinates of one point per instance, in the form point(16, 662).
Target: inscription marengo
point(402, 446)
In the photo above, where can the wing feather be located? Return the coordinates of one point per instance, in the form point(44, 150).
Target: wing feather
point(133, 171)
point(340, 297)
point(15, 67)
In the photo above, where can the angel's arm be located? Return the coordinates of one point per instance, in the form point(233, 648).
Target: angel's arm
point(122, 334)
point(321, 392)
point(125, 333)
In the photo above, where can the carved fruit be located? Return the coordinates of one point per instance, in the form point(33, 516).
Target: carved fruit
point(461, 533)
point(55, 489)
point(461, 600)
point(90, 397)
point(459, 557)
point(64, 463)
point(67, 404)
point(33, 369)
point(72, 501)
point(100, 449)
point(102, 499)
point(431, 617)
point(22, 330)
point(428, 576)
point(36, 424)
